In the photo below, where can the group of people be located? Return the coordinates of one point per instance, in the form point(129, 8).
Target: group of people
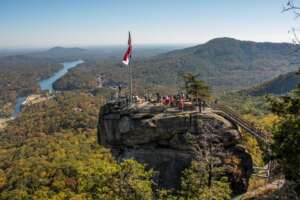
point(178, 100)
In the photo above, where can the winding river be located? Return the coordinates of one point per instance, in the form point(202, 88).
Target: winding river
point(47, 84)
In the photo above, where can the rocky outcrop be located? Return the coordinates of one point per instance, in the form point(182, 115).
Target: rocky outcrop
point(168, 140)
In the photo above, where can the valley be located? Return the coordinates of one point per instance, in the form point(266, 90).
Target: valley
point(225, 64)
point(45, 85)
point(60, 116)
point(149, 100)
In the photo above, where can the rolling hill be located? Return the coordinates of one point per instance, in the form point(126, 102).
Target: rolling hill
point(279, 85)
point(63, 50)
point(224, 63)
point(60, 54)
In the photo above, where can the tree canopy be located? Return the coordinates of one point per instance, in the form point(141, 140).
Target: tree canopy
point(195, 87)
point(286, 137)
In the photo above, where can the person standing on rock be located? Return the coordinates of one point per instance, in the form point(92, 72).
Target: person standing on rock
point(199, 106)
point(119, 90)
point(181, 103)
point(216, 101)
point(158, 97)
point(172, 101)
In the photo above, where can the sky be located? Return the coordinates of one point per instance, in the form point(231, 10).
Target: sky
point(46, 23)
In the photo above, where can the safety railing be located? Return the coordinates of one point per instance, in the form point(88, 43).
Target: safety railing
point(238, 119)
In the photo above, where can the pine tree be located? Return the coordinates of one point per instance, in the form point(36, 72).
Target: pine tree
point(195, 87)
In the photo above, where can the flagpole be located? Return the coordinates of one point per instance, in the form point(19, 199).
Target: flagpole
point(130, 82)
point(130, 72)
point(127, 61)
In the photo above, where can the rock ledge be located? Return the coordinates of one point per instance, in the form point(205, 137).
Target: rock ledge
point(167, 140)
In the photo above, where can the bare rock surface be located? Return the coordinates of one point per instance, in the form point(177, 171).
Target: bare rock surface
point(167, 140)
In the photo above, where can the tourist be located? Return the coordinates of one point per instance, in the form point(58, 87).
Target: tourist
point(167, 100)
point(164, 100)
point(216, 101)
point(181, 104)
point(172, 101)
point(158, 98)
point(119, 90)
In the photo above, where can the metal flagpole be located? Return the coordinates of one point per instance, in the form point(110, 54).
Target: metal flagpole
point(130, 82)
point(130, 72)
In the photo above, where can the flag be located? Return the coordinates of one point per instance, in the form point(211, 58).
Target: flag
point(127, 55)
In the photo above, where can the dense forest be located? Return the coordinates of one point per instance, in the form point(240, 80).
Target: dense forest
point(19, 76)
point(217, 120)
point(50, 153)
point(50, 150)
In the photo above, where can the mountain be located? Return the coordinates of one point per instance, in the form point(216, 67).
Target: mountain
point(56, 50)
point(225, 63)
point(279, 85)
point(102, 52)
point(61, 54)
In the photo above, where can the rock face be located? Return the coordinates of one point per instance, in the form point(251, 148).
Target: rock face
point(168, 140)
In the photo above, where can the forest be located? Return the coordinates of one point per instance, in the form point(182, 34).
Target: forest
point(50, 152)
point(19, 76)
point(54, 149)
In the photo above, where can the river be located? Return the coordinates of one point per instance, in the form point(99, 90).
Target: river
point(47, 84)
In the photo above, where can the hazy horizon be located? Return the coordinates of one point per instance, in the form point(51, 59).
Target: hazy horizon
point(96, 46)
point(104, 46)
point(36, 24)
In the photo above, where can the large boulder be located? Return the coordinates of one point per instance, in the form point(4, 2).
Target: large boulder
point(169, 141)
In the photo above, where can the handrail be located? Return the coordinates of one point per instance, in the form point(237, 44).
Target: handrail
point(236, 118)
point(263, 172)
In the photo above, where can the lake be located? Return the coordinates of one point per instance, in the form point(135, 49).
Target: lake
point(47, 84)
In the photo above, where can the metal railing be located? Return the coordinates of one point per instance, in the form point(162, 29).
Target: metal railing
point(234, 117)
point(228, 113)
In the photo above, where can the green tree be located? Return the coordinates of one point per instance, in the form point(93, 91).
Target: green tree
point(69, 166)
point(286, 134)
point(202, 181)
point(195, 87)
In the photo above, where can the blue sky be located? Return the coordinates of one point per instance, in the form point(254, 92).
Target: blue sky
point(45, 23)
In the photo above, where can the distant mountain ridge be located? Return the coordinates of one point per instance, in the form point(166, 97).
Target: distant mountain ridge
point(225, 63)
point(59, 49)
point(280, 85)
point(65, 52)
point(102, 52)
point(61, 54)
